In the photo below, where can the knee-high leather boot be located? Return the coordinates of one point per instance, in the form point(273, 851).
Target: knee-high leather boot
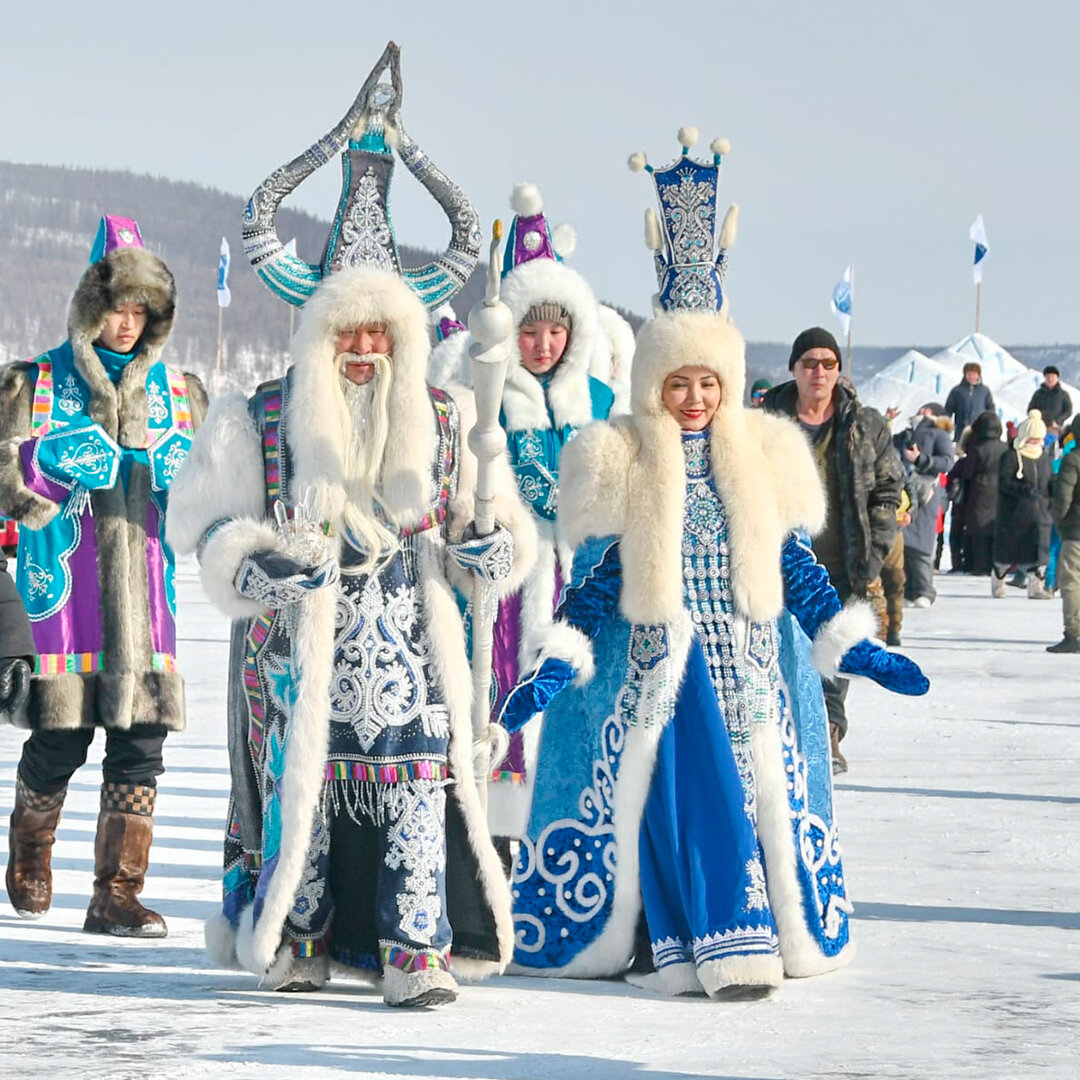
point(30, 839)
point(121, 853)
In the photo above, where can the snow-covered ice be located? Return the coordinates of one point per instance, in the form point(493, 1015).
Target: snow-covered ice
point(961, 826)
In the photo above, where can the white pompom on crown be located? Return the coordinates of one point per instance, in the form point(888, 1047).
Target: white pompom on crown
point(720, 146)
point(564, 239)
point(636, 161)
point(526, 199)
point(688, 136)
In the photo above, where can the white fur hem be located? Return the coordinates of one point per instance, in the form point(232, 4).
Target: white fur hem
point(760, 970)
point(221, 559)
point(838, 634)
point(561, 641)
point(220, 939)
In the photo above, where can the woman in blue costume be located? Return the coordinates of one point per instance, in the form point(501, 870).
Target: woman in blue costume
point(688, 781)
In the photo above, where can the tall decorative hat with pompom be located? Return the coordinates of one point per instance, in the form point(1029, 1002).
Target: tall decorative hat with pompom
point(530, 236)
point(689, 253)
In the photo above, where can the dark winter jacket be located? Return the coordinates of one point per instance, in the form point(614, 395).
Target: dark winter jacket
point(1065, 498)
point(965, 402)
point(15, 636)
point(935, 457)
point(870, 475)
point(1055, 405)
point(975, 476)
point(1022, 528)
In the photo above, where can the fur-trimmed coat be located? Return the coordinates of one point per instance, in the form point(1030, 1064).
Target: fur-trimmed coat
point(94, 569)
point(222, 507)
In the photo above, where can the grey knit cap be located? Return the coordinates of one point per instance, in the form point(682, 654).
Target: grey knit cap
point(548, 311)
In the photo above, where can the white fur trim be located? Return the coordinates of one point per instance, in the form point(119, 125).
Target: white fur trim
point(352, 298)
point(688, 136)
point(221, 558)
point(448, 364)
point(759, 970)
point(305, 761)
point(564, 239)
point(720, 146)
point(220, 939)
point(562, 641)
point(523, 397)
point(636, 161)
point(526, 199)
point(674, 980)
point(613, 355)
point(450, 667)
point(846, 628)
point(221, 478)
point(730, 228)
point(800, 952)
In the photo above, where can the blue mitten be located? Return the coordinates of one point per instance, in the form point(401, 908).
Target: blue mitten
point(535, 693)
point(891, 670)
point(82, 454)
point(276, 579)
point(490, 557)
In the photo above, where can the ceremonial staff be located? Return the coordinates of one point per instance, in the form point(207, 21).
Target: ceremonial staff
point(491, 325)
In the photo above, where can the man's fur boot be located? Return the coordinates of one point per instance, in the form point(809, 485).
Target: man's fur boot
point(1036, 586)
point(31, 835)
point(121, 853)
point(416, 989)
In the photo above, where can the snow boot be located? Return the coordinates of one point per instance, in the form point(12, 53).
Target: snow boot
point(418, 989)
point(997, 586)
point(892, 638)
point(291, 974)
point(839, 762)
point(121, 852)
point(31, 835)
point(1068, 644)
point(1036, 588)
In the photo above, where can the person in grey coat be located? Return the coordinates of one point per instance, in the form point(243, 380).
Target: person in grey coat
point(967, 399)
point(1065, 510)
point(926, 451)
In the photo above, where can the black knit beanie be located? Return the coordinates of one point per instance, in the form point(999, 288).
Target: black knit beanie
point(816, 337)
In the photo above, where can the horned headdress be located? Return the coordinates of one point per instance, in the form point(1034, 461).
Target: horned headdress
point(362, 233)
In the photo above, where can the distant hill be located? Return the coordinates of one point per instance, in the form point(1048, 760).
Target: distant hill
point(48, 216)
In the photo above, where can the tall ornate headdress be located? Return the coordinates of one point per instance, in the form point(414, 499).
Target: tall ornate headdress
point(530, 236)
point(690, 259)
point(362, 233)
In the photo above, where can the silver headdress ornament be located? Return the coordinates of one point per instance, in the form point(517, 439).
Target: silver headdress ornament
point(690, 260)
point(362, 233)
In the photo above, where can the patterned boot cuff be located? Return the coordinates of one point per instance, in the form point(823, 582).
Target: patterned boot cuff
point(128, 798)
point(36, 800)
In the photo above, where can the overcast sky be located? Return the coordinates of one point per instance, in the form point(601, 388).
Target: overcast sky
point(862, 132)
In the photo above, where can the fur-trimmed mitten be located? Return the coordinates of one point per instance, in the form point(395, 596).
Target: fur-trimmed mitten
point(276, 579)
point(888, 669)
point(14, 686)
point(490, 557)
point(535, 693)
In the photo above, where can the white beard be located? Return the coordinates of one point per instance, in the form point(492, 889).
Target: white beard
point(368, 422)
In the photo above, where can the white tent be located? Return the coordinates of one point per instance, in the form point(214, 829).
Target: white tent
point(914, 379)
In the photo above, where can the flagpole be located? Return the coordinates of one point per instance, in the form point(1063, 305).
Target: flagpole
point(292, 322)
point(849, 322)
point(217, 361)
point(978, 303)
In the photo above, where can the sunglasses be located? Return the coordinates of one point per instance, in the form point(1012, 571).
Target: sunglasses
point(810, 364)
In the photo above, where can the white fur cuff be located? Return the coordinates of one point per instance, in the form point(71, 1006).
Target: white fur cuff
point(221, 558)
point(834, 637)
point(560, 641)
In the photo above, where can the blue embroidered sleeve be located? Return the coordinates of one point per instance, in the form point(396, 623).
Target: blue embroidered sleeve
point(808, 593)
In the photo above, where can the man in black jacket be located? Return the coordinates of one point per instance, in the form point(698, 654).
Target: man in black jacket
point(862, 477)
point(1065, 508)
point(1052, 400)
point(967, 399)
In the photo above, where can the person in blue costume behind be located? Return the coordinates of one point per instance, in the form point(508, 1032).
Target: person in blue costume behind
point(685, 789)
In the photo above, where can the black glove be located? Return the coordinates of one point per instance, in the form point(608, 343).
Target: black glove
point(276, 579)
point(14, 685)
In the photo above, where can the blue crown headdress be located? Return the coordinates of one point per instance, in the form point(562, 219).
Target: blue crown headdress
point(690, 258)
point(362, 233)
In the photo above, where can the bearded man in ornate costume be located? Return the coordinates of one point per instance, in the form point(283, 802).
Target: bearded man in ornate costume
point(356, 832)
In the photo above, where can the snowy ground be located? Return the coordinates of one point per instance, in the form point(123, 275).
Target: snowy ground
point(961, 818)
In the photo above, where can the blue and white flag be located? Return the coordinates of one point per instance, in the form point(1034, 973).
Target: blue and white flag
point(224, 297)
point(977, 232)
point(841, 299)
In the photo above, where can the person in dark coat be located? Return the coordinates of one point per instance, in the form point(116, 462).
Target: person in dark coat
point(974, 482)
point(1065, 510)
point(862, 477)
point(926, 451)
point(16, 649)
point(967, 399)
point(1022, 527)
point(1052, 400)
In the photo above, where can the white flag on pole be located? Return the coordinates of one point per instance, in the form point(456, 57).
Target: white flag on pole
point(841, 299)
point(977, 232)
point(224, 297)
